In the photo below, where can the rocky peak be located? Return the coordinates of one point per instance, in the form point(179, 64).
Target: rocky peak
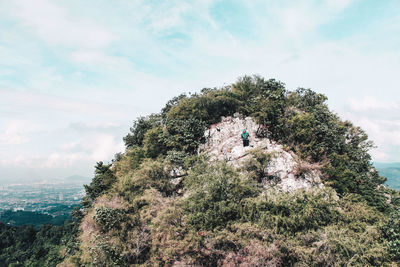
point(223, 142)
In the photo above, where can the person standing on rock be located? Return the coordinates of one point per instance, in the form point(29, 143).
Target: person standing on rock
point(245, 138)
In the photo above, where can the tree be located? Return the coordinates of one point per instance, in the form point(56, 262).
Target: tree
point(102, 181)
point(139, 129)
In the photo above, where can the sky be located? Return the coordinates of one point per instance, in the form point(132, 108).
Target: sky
point(74, 75)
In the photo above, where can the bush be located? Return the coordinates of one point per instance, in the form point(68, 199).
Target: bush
point(208, 107)
point(184, 134)
point(391, 232)
point(257, 165)
point(46, 246)
point(103, 180)
point(176, 158)
point(154, 142)
point(150, 174)
point(217, 195)
point(251, 91)
point(139, 129)
point(109, 219)
point(172, 103)
point(129, 161)
point(289, 213)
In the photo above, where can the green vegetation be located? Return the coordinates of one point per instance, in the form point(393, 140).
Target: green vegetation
point(228, 218)
point(391, 232)
point(160, 203)
point(19, 218)
point(102, 181)
point(46, 246)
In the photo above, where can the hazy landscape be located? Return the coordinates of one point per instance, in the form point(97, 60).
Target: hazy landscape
point(392, 172)
point(40, 202)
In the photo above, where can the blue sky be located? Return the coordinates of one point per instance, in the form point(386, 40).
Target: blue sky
point(75, 74)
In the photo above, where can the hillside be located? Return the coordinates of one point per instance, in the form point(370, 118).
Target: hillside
point(186, 192)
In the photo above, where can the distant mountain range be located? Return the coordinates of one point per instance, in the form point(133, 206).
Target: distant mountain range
point(391, 171)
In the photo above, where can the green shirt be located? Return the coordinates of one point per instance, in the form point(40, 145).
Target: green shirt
point(245, 135)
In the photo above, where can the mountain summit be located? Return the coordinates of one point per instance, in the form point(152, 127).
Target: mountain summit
point(188, 191)
point(284, 169)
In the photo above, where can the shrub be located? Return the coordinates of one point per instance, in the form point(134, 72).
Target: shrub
point(184, 134)
point(207, 107)
point(129, 161)
point(150, 174)
point(251, 91)
point(289, 213)
point(172, 103)
point(391, 232)
point(109, 219)
point(257, 165)
point(103, 180)
point(176, 158)
point(139, 129)
point(105, 253)
point(217, 195)
point(225, 217)
point(154, 142)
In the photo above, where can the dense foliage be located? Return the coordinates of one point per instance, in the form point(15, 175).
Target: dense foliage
point(46, 246)
point(101, 182)
point(19, 218)
point(391, 232)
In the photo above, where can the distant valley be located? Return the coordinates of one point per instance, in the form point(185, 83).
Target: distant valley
point(40, 202)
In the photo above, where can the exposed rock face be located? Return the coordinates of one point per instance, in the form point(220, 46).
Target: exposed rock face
point(223, 142)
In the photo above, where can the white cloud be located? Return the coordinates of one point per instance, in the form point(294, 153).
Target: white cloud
point(92, 148)
point(56, 26)
point(103, 146)
point(20, 161)
point(338, 4)
point(380, 156)
point(70, 145)
point(33, 102)
point(16, 132)
point(372, 115)
point(93, 57)
point(98, 147)
point(298, 20)
point(367, 103)
point(161, 20)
